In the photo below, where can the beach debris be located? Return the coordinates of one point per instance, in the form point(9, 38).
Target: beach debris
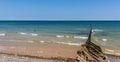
point(90, 52)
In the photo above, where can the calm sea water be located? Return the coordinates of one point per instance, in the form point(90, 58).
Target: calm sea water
point(105, 33)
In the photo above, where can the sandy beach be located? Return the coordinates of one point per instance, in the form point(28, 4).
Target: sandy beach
point(22, 51)
point(37, 49)
point(14, 58)
point(34, 51)
point(31, 51)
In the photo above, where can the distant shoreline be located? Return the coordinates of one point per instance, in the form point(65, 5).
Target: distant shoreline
point(61, 20)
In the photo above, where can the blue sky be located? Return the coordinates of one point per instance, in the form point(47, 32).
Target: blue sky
point(59, 9)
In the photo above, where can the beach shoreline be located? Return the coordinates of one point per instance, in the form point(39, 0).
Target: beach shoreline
point(45, 50)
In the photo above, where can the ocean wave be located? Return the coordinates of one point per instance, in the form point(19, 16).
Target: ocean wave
point(43, 41)
point(67, 43)
point(80, 37)
point(109, 50)
point(75, 37)
point(2, 34)
point(104, 39)
point(63, 36)
point(97, 30)
point(73, 44)
point(22, 33)
point(60, 36)
point(34, 34)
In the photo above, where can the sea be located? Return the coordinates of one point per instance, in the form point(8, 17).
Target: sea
point(105, 33)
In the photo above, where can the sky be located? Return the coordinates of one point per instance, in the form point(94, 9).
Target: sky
point(59, 9)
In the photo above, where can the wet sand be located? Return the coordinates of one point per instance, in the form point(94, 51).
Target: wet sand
point(37, 49)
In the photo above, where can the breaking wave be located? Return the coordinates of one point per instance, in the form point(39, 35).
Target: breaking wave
point(22, 33)
point(97, 30)
point(32, 34)
point(75, 37)
point(109, 50)
point(80, 37)
point(62, 43)
point(2, 34)
point(60, 36)
point(104, 39)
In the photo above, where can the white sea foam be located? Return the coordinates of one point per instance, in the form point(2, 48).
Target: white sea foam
point(64, 43)
point(80, 37)
point(110, 50)
point(104, 39)
point(112, 53)
point(73, 44)
point(42, 41)
point(22, 33)
point(97, 30)
point(2, 34)
point(34, 34)
point(68, 43)
point(60, 36)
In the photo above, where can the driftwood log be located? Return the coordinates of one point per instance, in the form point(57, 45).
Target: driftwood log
point(91, 52)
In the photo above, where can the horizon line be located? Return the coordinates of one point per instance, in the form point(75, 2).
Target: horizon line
point(60, 19)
